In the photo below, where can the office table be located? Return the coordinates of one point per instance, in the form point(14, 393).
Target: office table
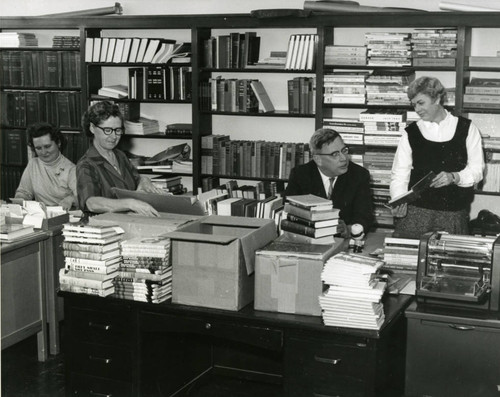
point(24, 291)
point(127, 348)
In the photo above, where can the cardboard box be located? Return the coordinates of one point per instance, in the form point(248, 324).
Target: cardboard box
point(213, 260)
point(47, 223)
point(136, 225)
point(288, 276)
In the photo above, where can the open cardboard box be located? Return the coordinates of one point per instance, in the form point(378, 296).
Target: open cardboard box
point(213, 260)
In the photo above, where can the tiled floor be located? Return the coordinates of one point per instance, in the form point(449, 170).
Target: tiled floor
point(24, 376)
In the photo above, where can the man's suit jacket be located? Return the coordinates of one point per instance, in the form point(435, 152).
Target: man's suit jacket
point(351, 193)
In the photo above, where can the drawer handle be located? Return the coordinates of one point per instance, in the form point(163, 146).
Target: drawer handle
point(461, 327)
point(325, 395)
point(102, 359)
point(208, 326)
point(104, 327)
point(94, 393)
point(333, 361)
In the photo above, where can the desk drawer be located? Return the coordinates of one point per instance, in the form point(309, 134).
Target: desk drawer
point(323, 368)
point(263, 337)
point(104, 327)
point(102, 360)
point(91, 386)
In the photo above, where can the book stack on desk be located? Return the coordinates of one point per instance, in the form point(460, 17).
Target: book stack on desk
point(92, 257)
point(354, 294)
point(145, 274)
point(310, 219)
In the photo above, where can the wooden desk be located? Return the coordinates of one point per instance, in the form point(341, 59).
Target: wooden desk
point(24, 291)
point(126, 348)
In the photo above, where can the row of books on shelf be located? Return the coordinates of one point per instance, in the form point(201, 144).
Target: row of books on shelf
point(302, 51)
point(136, 50)
point(222, 156)
point(424, 47)
point(153, 83)
point(10, 178)
point(302, 95)
point(51, 69)
point(231, 51)
point(234, 95)
point(21, 108)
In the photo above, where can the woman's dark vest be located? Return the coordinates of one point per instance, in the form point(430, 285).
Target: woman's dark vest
point(450, 156)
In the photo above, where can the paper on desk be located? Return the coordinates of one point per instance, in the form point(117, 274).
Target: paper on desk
point(36, 213)
point(55, 210)
point(15, 210)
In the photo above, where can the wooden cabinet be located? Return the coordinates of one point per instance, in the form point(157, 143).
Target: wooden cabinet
point(101, 348)
point(132, 348)
point(452, 354)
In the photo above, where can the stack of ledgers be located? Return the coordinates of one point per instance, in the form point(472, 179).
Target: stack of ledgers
point(146, 273)
point(353, 298)
point(92, 257)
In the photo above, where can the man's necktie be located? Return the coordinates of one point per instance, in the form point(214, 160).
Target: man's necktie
point(330, 188)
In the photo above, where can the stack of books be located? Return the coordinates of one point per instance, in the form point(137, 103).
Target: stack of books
point(345, 55)
point(11, 232)
point(15, 39)
point(171, 185)
point(92, 257)
point(482, 93)
point(142, 126)
point(350, 129)
point(146, 273)
point(179, 129)
point(383, 127)
point(310, 219)
point(345, 87)
point(401, 255)
point(434, 47)
point(389, 87)
point(66, 42)
point(354, 294)
point(388, 49)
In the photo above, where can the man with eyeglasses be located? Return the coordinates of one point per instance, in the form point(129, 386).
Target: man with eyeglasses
point(104, 167)
point(330, 174)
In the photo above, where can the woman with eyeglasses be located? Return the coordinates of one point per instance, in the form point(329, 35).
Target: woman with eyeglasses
point(49, 177)
point(331, 174)
point(103, 167)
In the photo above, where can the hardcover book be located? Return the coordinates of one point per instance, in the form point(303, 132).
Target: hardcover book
point(310, 201)
point(414, 193)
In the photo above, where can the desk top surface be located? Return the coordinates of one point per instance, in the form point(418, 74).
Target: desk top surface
point(35, 237)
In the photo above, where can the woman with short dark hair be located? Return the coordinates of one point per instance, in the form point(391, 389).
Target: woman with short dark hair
point(447, 145)
point(104, 167)
point(49, 177)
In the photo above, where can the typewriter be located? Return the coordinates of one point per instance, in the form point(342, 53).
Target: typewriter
point(459, 270)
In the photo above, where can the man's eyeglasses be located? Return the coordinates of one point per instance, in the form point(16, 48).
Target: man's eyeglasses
point(109, 130)
point(336, 155)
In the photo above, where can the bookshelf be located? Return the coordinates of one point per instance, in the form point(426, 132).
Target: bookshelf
point(39, 83)
point(473, 28)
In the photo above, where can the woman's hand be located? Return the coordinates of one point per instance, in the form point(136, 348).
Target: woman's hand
point(142, 208)
point(400, 211)
point(442, 179)
point(67, 202)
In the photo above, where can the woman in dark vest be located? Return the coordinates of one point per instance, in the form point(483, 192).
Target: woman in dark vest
point(440, 142)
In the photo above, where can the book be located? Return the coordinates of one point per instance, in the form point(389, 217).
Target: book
point(262, 96)
point(10, 232)
point(310, 201)
point(332, 213)
point(308, 231)
point(68, 277)
point(91, 255)
point(179, 151)
point(114, 91)
point(313, 224)
point(299, 238)
point(93, 229)
point(91, 248)
point(414, 193)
